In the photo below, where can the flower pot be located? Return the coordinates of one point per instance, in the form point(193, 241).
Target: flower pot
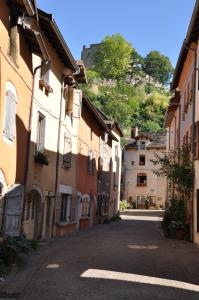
point(180, 233)
point(172, 233)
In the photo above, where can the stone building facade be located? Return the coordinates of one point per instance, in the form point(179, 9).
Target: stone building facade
point(143, 189)
point(88, 55)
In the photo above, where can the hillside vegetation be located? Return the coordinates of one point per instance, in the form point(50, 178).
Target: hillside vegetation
point(130, 89)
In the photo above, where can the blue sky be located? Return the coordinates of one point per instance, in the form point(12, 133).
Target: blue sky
point(148, 24)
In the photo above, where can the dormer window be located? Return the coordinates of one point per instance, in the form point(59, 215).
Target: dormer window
point(142, 145)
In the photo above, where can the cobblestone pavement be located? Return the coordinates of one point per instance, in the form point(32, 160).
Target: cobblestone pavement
point(129, 259)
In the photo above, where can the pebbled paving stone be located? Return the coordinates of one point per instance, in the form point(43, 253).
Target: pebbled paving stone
point(134, 246)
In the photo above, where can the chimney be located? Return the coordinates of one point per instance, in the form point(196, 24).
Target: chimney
point(134, 132)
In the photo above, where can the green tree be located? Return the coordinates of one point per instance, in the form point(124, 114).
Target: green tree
point(113, 57)
point(158, 66)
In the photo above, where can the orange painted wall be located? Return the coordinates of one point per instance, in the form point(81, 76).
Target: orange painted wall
point(87, 184)
point(13, 155)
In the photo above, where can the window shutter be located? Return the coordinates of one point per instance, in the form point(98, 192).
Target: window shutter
point(196, 141)
point(10, 115)
point(13, 116)
point(42, 129)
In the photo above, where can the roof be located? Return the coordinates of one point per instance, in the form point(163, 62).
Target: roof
point(55, 37)
point(110, 122)
point(192, 36)
point(94, 111)
point(157, 141)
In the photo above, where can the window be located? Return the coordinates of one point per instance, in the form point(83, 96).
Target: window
point(142, 160)
point(41, 126)
point(67, 157)
point(132, 163)
point(85, 207)
point(100, 168)
point(10, 112)
point(142, 145)
point(91, 163)
point(106, 138)
point(65, 208)
point(141, 180)
point(91, 134)
point(116, 152)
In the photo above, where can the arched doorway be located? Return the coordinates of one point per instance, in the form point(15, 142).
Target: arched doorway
point(33, 215)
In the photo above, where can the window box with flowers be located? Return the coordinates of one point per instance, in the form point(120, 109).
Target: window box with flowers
point(41, 158)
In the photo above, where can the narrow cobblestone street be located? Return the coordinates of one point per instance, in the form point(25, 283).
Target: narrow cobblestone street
point(72, 267)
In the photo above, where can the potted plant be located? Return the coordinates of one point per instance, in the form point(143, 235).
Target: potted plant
point(180, 230)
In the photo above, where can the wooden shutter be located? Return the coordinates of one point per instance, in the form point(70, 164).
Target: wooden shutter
point(73, 209)
point(10, 115)
point(197, 210)
point(13, 211)
point(196, 141)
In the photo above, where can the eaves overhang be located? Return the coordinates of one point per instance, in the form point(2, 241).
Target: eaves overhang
point(55, 37)
point(191, 37)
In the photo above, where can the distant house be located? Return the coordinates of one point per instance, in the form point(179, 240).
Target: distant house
point(143, 189)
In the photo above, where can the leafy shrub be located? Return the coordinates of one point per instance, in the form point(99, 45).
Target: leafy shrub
point(11, 249)
point(174, 216)
point(116, 217)
point(123, 205)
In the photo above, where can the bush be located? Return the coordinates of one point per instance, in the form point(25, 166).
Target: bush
point(11, 249)
point(116, 217)
point(174, 217)
point(123, 205)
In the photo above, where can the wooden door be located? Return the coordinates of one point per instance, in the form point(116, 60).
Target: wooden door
point(13, 211)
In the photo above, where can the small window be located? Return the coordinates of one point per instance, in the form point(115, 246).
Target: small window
point(67, 157)
point(85, 207)
point(91, 134)
point(116, 152)
point(141, 180)
point(91, 163)
point(100, 168)
point(65, 208)
point(142, 160)
point(41, 127)
point(132, 163)
point(142, 145)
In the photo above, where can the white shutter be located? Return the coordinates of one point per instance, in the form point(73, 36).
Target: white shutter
point(13, 117)
point(10, 115)
point(41, 134)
